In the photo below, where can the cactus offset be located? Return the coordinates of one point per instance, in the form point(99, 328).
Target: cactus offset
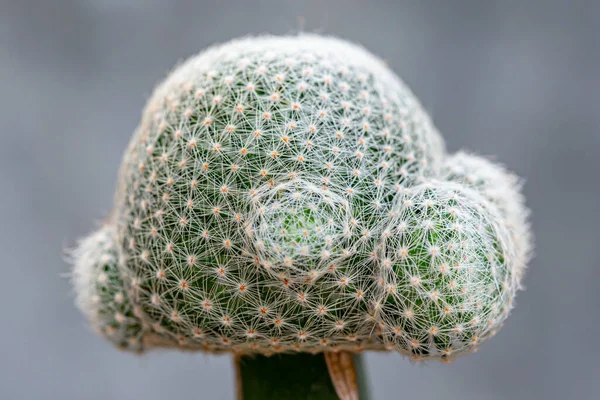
point(446, 280)
point(290, 194)
point(101, 294)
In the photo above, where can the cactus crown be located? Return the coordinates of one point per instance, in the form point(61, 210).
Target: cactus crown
point(290, 194)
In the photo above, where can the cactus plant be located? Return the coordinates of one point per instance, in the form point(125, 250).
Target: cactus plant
point(287, 195)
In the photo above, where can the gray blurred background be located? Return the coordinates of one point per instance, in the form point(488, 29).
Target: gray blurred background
point(520, 80)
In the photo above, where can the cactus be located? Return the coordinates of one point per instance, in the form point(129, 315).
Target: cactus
point(290, 195)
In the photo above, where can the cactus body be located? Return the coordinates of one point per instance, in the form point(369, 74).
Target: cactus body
point(291, 195)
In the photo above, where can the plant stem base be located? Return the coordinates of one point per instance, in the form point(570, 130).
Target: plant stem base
point(294, 377)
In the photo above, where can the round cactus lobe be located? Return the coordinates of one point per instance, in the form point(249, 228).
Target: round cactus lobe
point(101, 293)
point(446, 283)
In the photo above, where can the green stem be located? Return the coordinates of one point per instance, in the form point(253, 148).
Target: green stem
point(293, 377)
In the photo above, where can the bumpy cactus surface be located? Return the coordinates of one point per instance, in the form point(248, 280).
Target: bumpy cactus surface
point(290, 194)
point(101, 293)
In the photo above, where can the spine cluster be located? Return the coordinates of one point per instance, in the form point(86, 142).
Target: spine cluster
point(290, 194)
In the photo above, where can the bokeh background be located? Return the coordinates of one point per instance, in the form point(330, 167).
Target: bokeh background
point(516, 79)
